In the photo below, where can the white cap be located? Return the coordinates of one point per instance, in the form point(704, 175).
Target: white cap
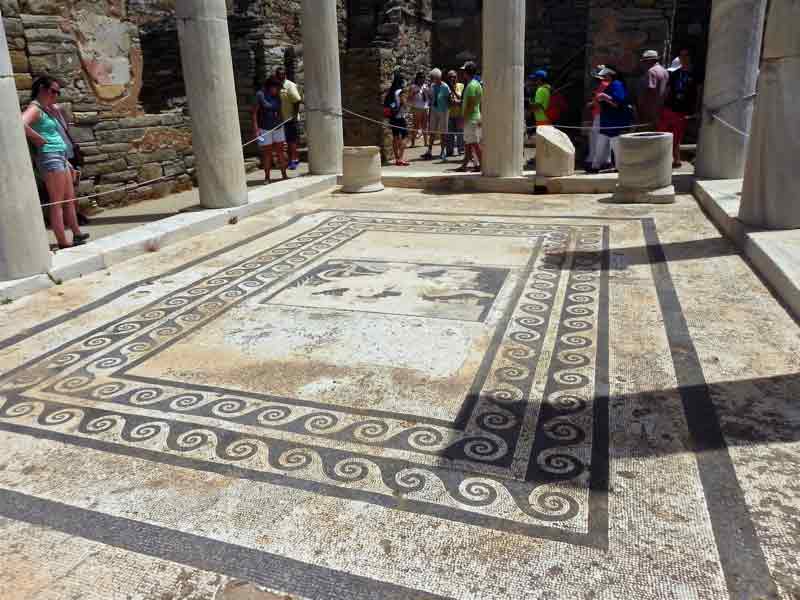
point(650, 55)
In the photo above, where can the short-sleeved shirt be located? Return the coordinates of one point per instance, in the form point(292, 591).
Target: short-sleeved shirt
point(542, 98)
point(474, 90)
point(290, 96)
point(682, 94)
point(269, 110)
point(418, 94)
point(441, 97)
point(455, 109)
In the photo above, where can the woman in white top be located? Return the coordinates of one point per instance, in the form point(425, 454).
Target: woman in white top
point(418, 100)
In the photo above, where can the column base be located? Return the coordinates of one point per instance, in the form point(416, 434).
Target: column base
point(665, 195)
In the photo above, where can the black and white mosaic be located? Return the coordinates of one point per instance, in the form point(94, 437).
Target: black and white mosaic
point(523, 452)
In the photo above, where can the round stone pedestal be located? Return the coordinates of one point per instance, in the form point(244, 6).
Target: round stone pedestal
point(644, 162)
point(361, 170)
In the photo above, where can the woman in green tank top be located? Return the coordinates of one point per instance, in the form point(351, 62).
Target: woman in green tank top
point(42, 130)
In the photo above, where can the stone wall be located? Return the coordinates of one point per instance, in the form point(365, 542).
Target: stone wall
point(402, 39)
point(120, 66)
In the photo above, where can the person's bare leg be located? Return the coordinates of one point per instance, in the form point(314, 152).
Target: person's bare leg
point(268, 164)
point(467, 156)
point(282, 162)
point(71, 208)
point(264, 162)
point(55, 190)
point(478, 155)
point(401, 147)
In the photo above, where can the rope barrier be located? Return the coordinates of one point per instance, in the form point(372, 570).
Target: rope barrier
point(729, 126)
point(134, 186)
point(346, 111)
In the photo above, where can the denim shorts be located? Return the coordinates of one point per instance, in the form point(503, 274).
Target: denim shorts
point(51, 162)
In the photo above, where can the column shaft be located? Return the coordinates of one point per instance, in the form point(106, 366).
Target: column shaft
point(771, 192)
point(208, 74)
point(24, 247)
point(323, 92)
point(503, 73)
point(734, 51)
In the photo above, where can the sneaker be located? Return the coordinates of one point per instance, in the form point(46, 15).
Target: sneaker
point(80, 240)
point(427, 156)
point(293, 165)
point(443, 156)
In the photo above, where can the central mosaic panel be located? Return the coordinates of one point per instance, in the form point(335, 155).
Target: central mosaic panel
point(438, 291)
point(464, 387)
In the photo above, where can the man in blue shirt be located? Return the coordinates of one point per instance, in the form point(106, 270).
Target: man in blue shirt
point(266, 121)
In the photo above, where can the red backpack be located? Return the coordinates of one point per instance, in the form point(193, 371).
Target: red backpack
point(558, 106)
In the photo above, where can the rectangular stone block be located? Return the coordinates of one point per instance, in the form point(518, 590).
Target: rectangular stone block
point(150, 171)
point(24, 81)
point(121, 177)
point(62, 64)
point(82, 134)
point(106, 126)
point(85, 118)
point(48, 35)
point(13, 27)
point(102, 168)
point(47, 48)
point(120, 136)
point(41, 21)
point(9, 8)
point(114, 148)
point(19, 61)
point(159, 156)
point(143, 121)
point(172, 169)
point(173, 119)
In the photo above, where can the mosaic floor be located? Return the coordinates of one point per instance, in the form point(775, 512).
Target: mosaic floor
point(407, 396)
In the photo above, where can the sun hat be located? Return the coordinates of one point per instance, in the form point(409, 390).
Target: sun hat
point(650, 55)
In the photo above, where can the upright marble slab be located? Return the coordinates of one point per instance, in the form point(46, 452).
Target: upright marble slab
point(771, 192)
point(24, 248)
point(735, 38)
point(555, 153)
point(504, 79)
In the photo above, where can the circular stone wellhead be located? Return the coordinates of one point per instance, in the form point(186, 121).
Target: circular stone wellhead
point(361, 170)
point(644, 160)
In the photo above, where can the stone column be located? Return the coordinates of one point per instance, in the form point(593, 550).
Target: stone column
point(503, 73)
point(734, 49)
point(24, 249)
point(208, 73)
point(323, 93)
point(771, 192)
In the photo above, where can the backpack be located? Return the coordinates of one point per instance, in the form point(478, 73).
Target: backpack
point(390, 107)
point(558, 106)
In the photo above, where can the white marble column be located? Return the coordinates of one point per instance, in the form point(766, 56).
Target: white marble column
point(503, 73)
point(323, 91)
point(24, 249)
point(208, 74)
point(734, 49)
point(771, 192)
